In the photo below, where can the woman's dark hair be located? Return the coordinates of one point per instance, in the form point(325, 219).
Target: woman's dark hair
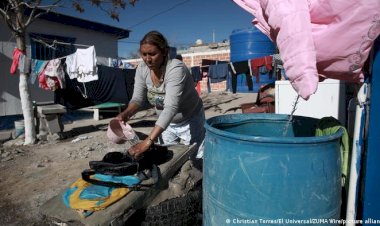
point(157, 39)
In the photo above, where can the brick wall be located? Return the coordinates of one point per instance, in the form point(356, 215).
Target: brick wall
point(195, 59)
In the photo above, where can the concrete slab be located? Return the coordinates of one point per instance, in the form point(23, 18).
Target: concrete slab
point(49, 119)
point(117, 214)
point(51, 109)
point(5, 135)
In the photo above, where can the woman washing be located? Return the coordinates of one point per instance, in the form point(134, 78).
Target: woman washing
point(168, 86)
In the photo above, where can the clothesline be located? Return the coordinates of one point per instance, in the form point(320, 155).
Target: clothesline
point(52, 46)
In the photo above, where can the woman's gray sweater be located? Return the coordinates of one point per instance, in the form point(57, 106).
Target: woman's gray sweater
point(180, 99)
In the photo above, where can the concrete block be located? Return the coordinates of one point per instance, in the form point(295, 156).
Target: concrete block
point(49, 119)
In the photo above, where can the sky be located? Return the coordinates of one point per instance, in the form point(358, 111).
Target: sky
point(181, 21)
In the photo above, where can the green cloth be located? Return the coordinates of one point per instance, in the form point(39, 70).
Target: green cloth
point(330, 125)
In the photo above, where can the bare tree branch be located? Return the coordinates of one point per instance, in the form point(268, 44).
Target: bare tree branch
point(31, 16)
point(7, 15)
point(12, 3)
point(45, 9)
point(10, 25)
point(3, 13)
point(37, 5)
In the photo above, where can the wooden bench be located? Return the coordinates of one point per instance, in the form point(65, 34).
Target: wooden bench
point(105, 107)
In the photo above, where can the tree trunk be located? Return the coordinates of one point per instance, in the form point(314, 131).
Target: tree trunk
point(26, 100)
point(27, 110)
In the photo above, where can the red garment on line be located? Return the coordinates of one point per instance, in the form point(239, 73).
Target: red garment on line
point(15, 59)
point(259, 62)
point(48, 83)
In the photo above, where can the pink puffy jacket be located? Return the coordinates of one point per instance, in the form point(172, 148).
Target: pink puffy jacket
point(318, 37)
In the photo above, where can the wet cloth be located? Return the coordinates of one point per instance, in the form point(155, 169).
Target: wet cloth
point(313, 40)
point(54, 69)
point(330, 125)
point(82, 65)
point(218, 72)
point(196, 73)
point(205, 63)
point(82, 195)
point(258, 63)
point(47, 82)
point(113, 85)
point(24, 64)
point(241, 67)
point(37, 66)
point(15, 59)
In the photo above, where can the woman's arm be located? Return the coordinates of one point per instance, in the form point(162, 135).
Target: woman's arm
point(131, 110)
point(174, 86)
point(139, 94)
point(137, 150)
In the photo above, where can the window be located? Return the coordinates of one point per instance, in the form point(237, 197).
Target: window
point(44, 47)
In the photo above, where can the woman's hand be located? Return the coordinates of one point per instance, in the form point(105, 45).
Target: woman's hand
point(137, 150)
point(123, 116)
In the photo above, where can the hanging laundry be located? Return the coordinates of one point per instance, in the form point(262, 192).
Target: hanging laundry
point(47, 82)
point(128, 66)
point(277, 60)
point(37, 66)
point(241, 67)
point(218, 72)
point(71, 97)
point(71, 65)
point(196, 73)
point(118, 63)
point(15, 59)
point(24, 64)
point(206, 62)
point(54, 69)
point(205, 68)
point(82, 65)
point(319, 45)
point(113, 85)
point(258, 64)
point(278, 68)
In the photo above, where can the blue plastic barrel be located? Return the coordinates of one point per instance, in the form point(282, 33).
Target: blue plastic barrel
point(256, 173)
point(248, 44)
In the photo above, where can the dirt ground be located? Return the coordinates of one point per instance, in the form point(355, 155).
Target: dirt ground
point(30, 175)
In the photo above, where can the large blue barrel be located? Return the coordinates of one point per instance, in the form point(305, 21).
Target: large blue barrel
point(248, 44)
point(255, 172)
